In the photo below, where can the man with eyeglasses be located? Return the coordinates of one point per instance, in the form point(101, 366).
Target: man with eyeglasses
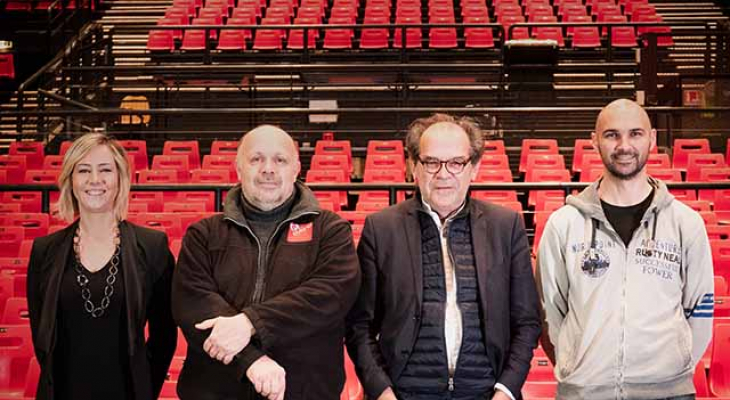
point(448, 307)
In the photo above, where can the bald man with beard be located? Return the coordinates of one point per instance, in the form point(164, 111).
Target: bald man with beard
point(261, 291)
point(625, 273)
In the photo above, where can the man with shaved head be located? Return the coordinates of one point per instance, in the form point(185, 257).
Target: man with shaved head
point(626, 276)
point(448, 308)
point(261, 291)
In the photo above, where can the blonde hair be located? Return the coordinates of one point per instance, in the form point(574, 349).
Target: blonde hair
point(68, 205)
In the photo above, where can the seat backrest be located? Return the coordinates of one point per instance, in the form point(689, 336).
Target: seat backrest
point(33, 152)
point(696, 162)
point(33, 224)
point(536, 146)
point(189, 148)
point(683, 147)
point(494, 147)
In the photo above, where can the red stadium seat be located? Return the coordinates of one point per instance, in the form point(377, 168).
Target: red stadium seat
point(33, 224)
point(697, 162)
point(719, 232)
point(15, 312)
point(41, 177)
point(544, 161)
point(202, 176)
point(592, 161)
point(721, 257)
point(9, 208)
point(442, 38)
point(700, 381)
point(720, 286)
point(178, 163)
point(658, 160)
point(219, 147)
point(494, 147)
point(16, 351)
point(14, 167)
point(586, 37)
point(413, 36)
point(226, 162)
point(494, 161)
point(165, 222)
point(10, 239)
point(623, 36)
point(493, 175)
point(232, 39)
point(138, 149)
point(330, 176)
point(187, 148)
point(374, 38)
point(335, 147)
point(159, 40)
point(495, 196)
point(52, 162)
point(157, 177)
point(33, 152)
point(321, 161)
point(30, 202)
point(153, 200)
point(385, 161)
point(684, 147)
point(383, 147)
point(719, 379)
point(536, 146)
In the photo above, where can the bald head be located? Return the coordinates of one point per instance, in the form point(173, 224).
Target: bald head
point(267, 134)
point(622, 109)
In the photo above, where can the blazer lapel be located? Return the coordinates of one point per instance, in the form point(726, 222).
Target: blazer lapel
point(484, 251)
point(133, 272)
point(412, 231)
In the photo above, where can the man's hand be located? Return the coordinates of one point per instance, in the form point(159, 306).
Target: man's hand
point(268, 377)
point(387, 395)
point(228, 337)
point(500, 395)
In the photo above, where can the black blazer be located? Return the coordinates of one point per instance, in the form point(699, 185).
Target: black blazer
point(147, 266)
point(382, 326)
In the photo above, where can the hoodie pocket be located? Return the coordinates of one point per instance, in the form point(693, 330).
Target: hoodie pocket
point(565, 351)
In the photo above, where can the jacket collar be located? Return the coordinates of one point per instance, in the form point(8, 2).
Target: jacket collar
point(306, 203)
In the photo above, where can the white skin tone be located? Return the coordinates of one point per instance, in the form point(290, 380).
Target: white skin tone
point(444, 192)
point(267, 165)
point(95, 182)
point(624, 138)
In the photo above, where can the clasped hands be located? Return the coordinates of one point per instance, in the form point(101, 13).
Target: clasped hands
point(230, 335)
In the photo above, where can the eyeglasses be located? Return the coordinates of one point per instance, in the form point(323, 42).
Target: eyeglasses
point(434, 165)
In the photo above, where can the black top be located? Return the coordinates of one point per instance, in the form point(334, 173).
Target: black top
point(625, 220)
point(90, 356)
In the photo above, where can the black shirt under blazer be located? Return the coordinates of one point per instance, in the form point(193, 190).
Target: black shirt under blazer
point(147, 266)
point(390, 298)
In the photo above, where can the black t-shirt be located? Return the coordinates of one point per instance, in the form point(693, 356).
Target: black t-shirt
point(625, 220)
point(90, 355)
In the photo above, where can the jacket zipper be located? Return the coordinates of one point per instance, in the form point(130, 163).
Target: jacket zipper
point(260, 285)
point(620, 378)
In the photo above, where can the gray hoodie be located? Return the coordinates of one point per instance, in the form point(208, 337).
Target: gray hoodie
point(626, 322)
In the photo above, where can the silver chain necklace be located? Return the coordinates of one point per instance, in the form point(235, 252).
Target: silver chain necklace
point(83, 280)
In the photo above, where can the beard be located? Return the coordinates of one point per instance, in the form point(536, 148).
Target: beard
point(610, 162)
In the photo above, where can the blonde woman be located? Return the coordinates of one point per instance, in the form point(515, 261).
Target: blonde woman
point(94, 285)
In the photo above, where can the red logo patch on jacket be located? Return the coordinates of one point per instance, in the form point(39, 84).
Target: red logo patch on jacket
point(299, 233)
